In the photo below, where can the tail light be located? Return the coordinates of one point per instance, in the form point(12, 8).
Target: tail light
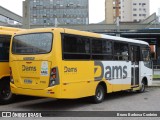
point(54, 77)
point(11, 76)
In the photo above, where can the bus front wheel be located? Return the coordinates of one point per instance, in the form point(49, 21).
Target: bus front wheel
point(6, 95)
point(142, 87)
point(99, 94)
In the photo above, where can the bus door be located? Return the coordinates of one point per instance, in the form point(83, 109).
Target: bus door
point(135, 58)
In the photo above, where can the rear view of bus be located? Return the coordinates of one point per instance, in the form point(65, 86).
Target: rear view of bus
point(5, 37)
point(30, 62)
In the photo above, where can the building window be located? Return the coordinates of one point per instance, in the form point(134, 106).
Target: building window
point(144, 15)
point(134, 3)
point(139, 14)
point(134, 20)
point(134, 9)
point(143, 3)
point(134, 14)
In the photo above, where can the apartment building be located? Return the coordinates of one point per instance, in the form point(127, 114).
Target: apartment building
point(126, 10)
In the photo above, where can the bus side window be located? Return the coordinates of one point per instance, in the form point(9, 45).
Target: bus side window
point(135, 54)
point(76, 47)
point(121, 51)
point(146, 57)
point(146, 54)
point(101, 49)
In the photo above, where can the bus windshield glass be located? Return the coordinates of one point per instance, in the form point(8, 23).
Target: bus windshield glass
point(4, 47)
point(35, 43)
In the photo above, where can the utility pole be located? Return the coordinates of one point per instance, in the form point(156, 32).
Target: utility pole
point(56, 22)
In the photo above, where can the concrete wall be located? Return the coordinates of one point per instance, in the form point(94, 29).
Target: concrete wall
point(26, 16)
point(130, 10)
point(126, 9)
point(10, 14)
point(142, 9)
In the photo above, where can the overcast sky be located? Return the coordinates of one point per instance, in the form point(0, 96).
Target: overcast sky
point(96, 8)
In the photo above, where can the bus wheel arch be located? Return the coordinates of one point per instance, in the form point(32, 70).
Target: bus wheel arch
point(6, 95)
point(103, 85)
point(143, 85)
point(100, 91)
point(145, 81)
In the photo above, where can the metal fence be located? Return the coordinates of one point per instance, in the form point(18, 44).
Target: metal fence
point(156, 64)
point(156, 71)
point(156, 67)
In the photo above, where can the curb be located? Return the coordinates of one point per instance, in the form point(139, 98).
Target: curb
point(156, 79)
point(153, 86)
point(155, 83)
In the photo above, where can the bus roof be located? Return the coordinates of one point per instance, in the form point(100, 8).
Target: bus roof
point(124, 39)
point(9, 28)
point(107, 36)
point(85, 33)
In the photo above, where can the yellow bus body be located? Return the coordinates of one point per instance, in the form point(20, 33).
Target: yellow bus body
point(5, 37)
point(8, 31)
point(71, 84)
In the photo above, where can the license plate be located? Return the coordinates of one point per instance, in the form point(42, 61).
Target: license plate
point(27, 81)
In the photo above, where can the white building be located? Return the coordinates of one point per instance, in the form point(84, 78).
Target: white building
point(159, 14)
point(126, 10)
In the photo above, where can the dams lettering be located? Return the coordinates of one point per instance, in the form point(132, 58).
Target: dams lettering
point(28, 68)
point(70, 70)
point(111, 72)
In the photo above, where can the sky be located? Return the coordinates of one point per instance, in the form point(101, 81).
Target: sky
point(96, 8)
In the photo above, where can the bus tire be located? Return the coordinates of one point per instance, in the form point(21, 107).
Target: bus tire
point(99, 94)
point(6, 96)
point(142, 87)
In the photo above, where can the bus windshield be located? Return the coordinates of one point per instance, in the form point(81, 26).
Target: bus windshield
point(4, 47)
point(35, 43)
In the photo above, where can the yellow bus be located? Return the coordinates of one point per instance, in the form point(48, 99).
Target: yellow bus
point(5, 37)
point(69, 64)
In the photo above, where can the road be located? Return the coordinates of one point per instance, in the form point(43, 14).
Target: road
point(120, 101)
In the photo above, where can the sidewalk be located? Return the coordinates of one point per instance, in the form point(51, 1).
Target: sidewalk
point(156, 83)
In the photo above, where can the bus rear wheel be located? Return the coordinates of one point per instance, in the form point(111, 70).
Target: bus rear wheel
point(99, 94)
point(6, 95)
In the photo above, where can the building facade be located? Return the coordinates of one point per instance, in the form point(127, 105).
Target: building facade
point(158, 14)
point(51, 12)
point(7, 17)
point(126, 10)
